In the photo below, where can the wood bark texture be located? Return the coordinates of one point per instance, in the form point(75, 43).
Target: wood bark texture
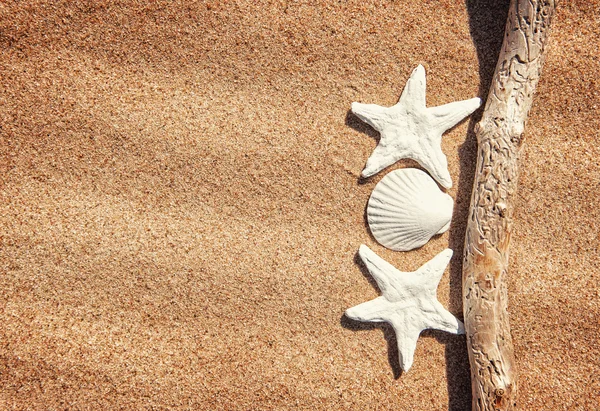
point(485, 265)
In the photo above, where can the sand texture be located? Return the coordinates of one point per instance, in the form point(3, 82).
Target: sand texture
point(181, 207)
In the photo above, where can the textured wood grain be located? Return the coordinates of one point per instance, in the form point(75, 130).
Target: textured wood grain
point(485, 265)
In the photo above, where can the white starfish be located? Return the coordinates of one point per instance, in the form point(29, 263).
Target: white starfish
point(411, 130)
point(409, 302)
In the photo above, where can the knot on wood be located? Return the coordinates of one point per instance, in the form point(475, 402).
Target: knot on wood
point(501, 207)
point(499, 400)
point(504, 398)
point(516, 131)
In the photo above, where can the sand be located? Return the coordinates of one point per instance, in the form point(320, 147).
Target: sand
point(181, 205)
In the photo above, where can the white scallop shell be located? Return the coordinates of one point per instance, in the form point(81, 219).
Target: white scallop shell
point(407, 208)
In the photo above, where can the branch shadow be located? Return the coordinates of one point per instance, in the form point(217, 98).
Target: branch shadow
point(487, 20)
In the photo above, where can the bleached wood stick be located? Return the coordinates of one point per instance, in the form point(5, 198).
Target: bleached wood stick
point(485, 265)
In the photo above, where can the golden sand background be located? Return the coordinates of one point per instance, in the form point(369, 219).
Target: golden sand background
point(181, 205)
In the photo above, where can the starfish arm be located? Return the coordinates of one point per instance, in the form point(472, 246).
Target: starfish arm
point(383, 272)
point(387, 152)
point(431, 272)
point(448, 115)
point(442, 319)
point(407, 335)
point(376, 310)
point(413, 95)
point(372, 114)
point(435, 162)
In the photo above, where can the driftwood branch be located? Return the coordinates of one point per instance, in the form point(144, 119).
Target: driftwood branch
point(499, 135)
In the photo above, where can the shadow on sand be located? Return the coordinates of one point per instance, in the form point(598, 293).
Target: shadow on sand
point(487, 19)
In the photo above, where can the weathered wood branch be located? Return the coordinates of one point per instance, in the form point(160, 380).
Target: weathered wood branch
point(485, 265)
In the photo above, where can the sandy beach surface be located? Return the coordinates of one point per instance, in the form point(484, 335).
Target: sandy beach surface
point(181, 207)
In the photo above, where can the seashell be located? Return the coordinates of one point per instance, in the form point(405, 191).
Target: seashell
point(407, 208)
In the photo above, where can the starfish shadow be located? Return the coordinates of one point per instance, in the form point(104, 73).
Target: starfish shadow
point(388, 331)
point(487, 19)
point(357, 124)
point(388, 334)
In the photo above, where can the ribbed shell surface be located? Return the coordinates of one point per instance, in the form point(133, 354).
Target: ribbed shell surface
point(407, 208)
